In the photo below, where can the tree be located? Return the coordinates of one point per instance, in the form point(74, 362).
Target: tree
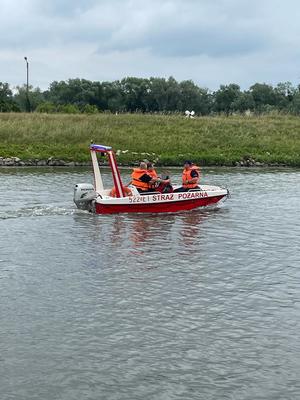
point(174, 95)
point(263, 95)
point(73, 91)
point(194, 98)
point(294, 105)
point(6, 99)
point(225, 97)
point(112, 97)
point(243, 102)
point(284, 94)
point(35, 97)
point(135, 92)
point(157, 96)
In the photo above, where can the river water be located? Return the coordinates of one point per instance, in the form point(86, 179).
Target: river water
point(197, 305)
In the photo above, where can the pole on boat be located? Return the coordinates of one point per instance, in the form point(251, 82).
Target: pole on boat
point(98, 148)
point(116, 174)
point(97, 175)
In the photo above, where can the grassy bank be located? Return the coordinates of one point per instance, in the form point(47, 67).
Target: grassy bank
point(205, 140)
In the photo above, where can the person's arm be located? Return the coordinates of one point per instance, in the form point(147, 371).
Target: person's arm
point(165, 178)
point(146, 178)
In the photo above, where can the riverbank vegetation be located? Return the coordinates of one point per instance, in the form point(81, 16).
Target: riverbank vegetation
point(166, 139)
point(150, 96)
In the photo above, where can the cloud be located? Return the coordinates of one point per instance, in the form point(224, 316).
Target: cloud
point(173, 28)
point(196, 41)
point(211, 42)
point(187, 29)
point(65, 8)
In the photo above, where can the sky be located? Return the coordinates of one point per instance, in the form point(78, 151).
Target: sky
point(211, 42)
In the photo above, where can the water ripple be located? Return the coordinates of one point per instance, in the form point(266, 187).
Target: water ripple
point(196, 305)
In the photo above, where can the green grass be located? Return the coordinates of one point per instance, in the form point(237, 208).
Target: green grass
point(205, 140)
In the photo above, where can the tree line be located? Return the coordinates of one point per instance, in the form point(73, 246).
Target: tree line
point(153, 95)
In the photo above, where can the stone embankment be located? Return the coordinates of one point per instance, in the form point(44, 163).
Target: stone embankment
point(50, 162)
point(54, 162)
point(250, 162)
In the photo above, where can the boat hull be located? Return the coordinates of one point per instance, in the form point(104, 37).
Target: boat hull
point(157, 207)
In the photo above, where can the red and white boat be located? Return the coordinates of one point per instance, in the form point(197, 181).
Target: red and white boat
point(97, 199)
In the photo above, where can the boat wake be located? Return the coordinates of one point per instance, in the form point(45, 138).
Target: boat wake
point(38, 211)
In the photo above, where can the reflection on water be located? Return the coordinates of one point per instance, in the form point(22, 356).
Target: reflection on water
point(195, 305)
point(138, 234)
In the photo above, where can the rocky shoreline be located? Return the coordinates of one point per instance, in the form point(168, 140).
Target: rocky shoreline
point(50, 162)
point(54, 162)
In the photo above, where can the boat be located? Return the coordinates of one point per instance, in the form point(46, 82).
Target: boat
point(95, 198)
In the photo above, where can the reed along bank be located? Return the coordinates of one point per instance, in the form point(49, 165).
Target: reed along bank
point(165, 139)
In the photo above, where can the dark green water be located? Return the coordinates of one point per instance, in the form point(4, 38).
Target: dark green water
point(198, 305)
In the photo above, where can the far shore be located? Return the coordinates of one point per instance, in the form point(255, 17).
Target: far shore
point(35, 139)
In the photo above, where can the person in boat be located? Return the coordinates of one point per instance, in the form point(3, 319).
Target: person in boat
point(151, 170)
point(143, 180)
point(162, 186)
point(190, 177)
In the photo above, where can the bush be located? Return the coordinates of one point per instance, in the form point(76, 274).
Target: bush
point(68, 109)
point(90, 109)
point(46, 107)
point(8, 106)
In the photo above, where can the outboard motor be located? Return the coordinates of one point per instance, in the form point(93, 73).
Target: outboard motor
point(84, 194)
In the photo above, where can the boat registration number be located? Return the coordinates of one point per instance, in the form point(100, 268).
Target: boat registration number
point(137, 199)
point(155, 197)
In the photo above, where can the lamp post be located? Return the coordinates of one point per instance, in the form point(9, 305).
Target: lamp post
point(27, 84)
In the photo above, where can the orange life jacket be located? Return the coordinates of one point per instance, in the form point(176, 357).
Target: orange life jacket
point(186, 176)
point(126, 190)
point(152, 173)
point(136, 174)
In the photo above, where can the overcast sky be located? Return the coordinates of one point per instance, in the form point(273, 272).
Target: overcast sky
point(212, 42)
